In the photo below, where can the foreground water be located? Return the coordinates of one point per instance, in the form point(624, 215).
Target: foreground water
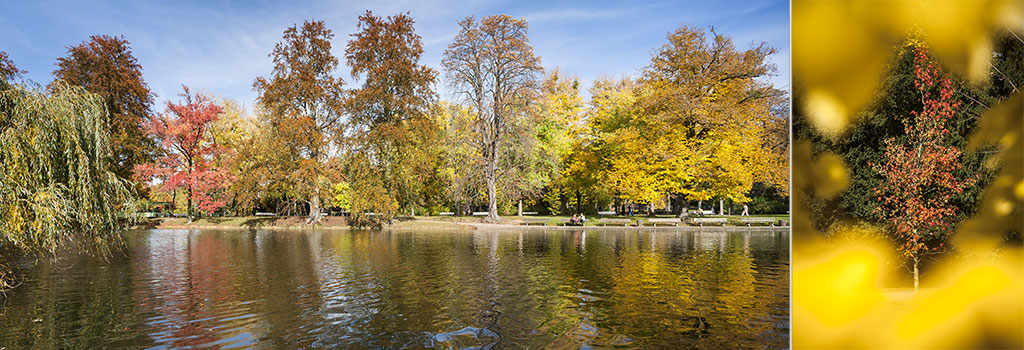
point(490, 289)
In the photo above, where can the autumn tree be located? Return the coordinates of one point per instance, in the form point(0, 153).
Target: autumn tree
point(389, 126)
point(557, 123)
point(105, 65)
point(262, 164)
point(460, 164)
point(305, 105)
point(920, 170)
point(235, 132)
point(57, 185)
point(701, 91)
point(189, 155)
point(493, 69)
point(8, 71)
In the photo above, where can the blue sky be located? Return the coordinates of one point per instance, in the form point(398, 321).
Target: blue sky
point(220, 47)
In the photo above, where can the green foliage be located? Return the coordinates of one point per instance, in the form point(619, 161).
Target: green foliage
point(57, 185)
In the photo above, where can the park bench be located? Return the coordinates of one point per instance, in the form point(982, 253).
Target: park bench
point(623, 222)
point(529, 213)
point(542, 222)
point(656, 221)
point(702, 221)
point(748, 221)
point(480, 213)
point(606, 213)
point(702, 212)
point(266, 214)
point(446, 213)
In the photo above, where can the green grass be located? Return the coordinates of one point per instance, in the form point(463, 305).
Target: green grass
point(558, 220)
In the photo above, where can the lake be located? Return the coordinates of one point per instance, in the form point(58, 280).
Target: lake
point(511, 288)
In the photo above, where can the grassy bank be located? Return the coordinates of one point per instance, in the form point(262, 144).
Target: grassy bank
point(408, 222)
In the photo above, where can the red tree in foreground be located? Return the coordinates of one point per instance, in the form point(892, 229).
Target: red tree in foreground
point(188, 153)
point(918, 171)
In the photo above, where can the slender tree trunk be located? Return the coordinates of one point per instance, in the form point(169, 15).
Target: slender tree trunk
point(174, 201)
point(721, 206)
point(520, 207)
point(579, 202)
point(916, 276)
point(189, 204)
point(189, 162)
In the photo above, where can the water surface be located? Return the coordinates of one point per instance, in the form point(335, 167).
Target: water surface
point(412, 289)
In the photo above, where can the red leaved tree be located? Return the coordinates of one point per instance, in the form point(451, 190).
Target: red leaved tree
point(918, 178)
point(188, 153)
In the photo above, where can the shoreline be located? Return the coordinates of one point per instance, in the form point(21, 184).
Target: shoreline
point(336, 223)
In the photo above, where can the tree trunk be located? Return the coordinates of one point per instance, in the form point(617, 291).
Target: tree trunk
point(721, 206)
point(579, 202)
point(684, 208)
point(492, 197)
point(520, 207)
point(190, 204)
point(174, 201)
point(699, 202)
point(314, 209)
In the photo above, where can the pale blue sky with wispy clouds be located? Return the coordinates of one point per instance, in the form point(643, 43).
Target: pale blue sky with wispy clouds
point(220, 47)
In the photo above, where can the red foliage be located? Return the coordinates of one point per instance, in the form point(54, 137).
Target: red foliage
point(188, 152)
point(918, 181)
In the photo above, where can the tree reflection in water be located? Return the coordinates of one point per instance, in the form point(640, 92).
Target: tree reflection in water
point(321, 289)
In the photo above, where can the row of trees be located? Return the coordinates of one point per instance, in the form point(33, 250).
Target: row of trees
point(700, 122)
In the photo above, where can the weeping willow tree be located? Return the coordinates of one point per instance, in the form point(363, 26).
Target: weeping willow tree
point(57, 190)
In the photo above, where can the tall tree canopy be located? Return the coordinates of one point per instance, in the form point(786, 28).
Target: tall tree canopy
point(389, 125)
point(702, 93)
point(104, 65)
point(305, 105)
point(493, 69)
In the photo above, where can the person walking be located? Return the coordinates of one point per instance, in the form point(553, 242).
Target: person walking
point(745, 212)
